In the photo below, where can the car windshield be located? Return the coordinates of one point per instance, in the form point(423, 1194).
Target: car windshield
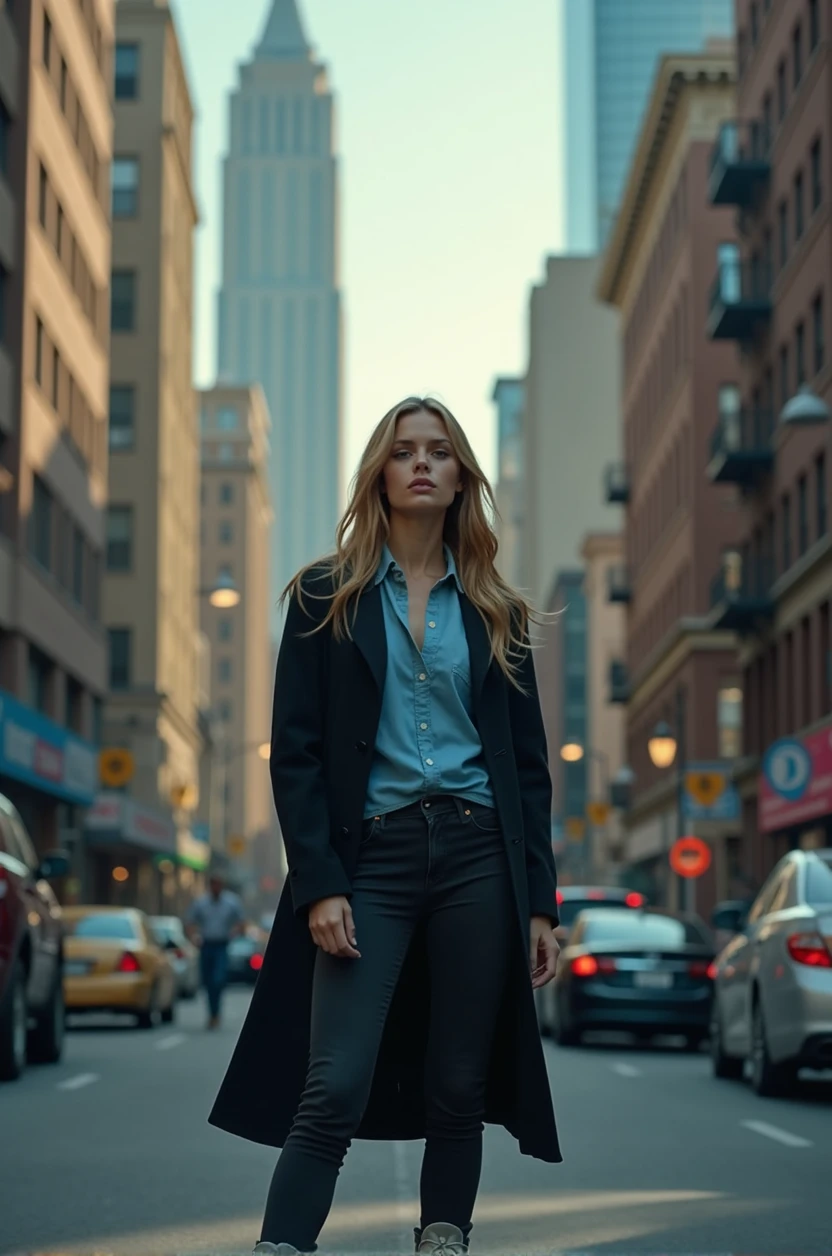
point(102, 926)
point(166, 928)
point(241, 946)
point(635, 928)
point(569, 908)
point(819, 882)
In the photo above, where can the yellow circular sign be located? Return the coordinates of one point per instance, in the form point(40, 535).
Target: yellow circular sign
point(115, 767)
point(236, 844)
point(598, 813)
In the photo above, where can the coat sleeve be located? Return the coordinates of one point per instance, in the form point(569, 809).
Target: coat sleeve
point(296, 760)
point(531, 757)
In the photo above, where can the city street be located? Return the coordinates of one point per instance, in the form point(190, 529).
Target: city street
point(110, 1153)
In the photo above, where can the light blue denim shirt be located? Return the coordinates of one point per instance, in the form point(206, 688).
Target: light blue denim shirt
point(427, 742)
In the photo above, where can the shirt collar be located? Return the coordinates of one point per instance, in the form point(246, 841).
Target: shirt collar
point(388, 564)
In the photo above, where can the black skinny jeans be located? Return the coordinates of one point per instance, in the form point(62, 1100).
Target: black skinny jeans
point(443, 861)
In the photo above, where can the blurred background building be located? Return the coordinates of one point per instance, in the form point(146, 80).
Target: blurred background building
point(280, 306)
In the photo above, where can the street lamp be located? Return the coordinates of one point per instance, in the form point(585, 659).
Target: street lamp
point(224, 594)
point(662, 745)
point(666, 747)
point(573, 751)
point(804, 409)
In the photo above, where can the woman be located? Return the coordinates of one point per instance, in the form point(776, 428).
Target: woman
point(410, 776)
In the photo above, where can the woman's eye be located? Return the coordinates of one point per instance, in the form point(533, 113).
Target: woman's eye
point(443, 453)
point(401, 453)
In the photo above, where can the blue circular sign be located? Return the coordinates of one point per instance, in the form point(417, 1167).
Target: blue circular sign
point(787, 766)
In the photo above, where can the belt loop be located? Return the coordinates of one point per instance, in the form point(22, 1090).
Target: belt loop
point(460, 809)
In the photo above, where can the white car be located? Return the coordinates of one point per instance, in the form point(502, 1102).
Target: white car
point(773, 984)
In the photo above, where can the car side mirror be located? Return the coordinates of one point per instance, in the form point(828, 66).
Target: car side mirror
point(53, 865)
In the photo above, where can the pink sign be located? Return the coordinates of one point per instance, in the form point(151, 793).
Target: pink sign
point(795, 786)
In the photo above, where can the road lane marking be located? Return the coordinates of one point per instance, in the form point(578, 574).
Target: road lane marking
point(165, 1044)
point(80, 1079)
point(626, 1070)
point(779, 1136)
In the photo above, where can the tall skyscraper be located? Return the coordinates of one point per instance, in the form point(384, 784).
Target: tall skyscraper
point(279, 309)
point(611, 50)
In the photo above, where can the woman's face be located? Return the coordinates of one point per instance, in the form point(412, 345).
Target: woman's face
point(422, 473)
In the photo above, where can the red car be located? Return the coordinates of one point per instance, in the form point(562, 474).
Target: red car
point(31, 950)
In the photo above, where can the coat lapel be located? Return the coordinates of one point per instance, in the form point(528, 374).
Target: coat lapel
point(479, 646)
point(369, 635)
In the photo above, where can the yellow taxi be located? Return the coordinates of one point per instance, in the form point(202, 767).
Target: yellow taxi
point(113, 963)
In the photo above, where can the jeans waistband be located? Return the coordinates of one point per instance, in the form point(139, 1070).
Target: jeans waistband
point(435, 804)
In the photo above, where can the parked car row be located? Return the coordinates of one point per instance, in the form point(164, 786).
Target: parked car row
point(763, 999)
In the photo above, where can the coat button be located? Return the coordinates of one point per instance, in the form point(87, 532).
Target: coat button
point(345, 832)
point(361, 745)
point(515, 841)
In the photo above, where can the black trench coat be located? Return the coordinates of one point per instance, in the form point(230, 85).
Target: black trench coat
point(326, 711)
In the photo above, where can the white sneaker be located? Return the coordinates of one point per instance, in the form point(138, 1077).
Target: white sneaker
point(442, 1239)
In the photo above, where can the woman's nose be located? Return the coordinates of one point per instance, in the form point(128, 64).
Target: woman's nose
point(422, 462)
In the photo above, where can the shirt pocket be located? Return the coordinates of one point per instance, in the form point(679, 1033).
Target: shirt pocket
point(462, 680)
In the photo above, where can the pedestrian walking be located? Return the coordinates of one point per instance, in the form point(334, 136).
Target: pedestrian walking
point(213, 919)
point(410, 775)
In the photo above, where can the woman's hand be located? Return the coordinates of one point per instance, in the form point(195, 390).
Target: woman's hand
point(332, 927)
point(543, 952)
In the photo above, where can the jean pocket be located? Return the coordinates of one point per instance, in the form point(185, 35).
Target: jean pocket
point(371, 828)
point(481, 817)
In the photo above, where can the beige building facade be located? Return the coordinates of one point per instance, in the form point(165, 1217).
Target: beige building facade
point(236, 523)
point(569, 423)
point(151, 587)
point(57, 136)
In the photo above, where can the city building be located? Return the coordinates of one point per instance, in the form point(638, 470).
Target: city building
point(151, 590)
point(773, 168)
point(570, 421)
point(56, 136)
point(508, 490)
point(610, 54)
point(236, 530)
point(280, 308)
point(677, 385)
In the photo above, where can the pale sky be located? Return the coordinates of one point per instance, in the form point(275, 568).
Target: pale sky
point(449, 147)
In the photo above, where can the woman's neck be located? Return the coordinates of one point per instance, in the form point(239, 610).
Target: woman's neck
point(417, 546)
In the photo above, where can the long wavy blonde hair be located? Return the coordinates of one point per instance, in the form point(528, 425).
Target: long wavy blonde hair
point(365, 528)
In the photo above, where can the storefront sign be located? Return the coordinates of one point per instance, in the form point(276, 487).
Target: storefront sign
point(191, 851)
point(118, 818)
point(795, 785)
point(44, 755)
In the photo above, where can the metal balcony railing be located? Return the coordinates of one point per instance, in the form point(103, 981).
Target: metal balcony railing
point(740, 299)
point(617, 483)
point(741, 592)
point(740, 163)
point(741, 447)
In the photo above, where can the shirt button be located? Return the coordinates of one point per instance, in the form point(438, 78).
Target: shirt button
point(422, 676)
point(429, 762)
point(423, 725)
point(432, 623)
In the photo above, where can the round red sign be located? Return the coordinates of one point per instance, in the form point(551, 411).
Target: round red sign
point(690, 856)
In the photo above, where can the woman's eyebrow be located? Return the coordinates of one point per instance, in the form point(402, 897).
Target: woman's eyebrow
point(434, 440)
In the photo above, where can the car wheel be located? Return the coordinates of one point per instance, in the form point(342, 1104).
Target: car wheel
point(46, 1040)
point(767, 1078)
point(169, 1013)
point(729, 1067)
point(150, 1018)
point(693, 1042)
point(13, 1017)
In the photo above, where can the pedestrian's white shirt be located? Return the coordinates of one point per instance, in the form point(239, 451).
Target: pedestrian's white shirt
point(215, 917)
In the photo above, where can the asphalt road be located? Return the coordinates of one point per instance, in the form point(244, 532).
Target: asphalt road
point(109, 1153)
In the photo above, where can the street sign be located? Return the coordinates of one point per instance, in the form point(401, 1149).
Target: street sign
point(710, 793)
point(236, 844)
point(597, 813)
point(115, 767)
point(575, 828)
point(705, 787)
point(690, 856)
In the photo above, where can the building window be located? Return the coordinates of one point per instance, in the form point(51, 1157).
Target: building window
point(784, 375)
point(4, 289)
point(820, 495)
point(64, 95)
point(225, 711)
point(225, 628)
point(226, 493)
point(127, 71)
point(41, 531)
point(120, 642)
point(224, 671)
point(817, 176)
point(783, 231)
point(797, 54)
point(729, 721)
point(47, 41)
point(800, 354)
point(226, 532)
point(78, 552)
point(825, 659)
point(754, 23)
point(814, 25)
point(786, 521)
point(56, 378)
point(119, 538)
point(798, 205)
point(40, 674)
point(227, 419)
point(226, 452)
point(123, 300)
point(74, 705)
point(781, 90)
point(43, 195)
point(5, 130)
point(818, 332)
point(802, 516)
point(122, 417)
point(125, 185)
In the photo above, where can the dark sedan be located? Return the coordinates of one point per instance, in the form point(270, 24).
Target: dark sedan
point(648, 972)
point(245, 959)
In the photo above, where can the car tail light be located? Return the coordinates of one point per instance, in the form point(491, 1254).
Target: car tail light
point(256, 961)
point(128, 964)
point(810, 949)
point(712, 970)
point(700, 968)
point(634, 900)
point(584, 966)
